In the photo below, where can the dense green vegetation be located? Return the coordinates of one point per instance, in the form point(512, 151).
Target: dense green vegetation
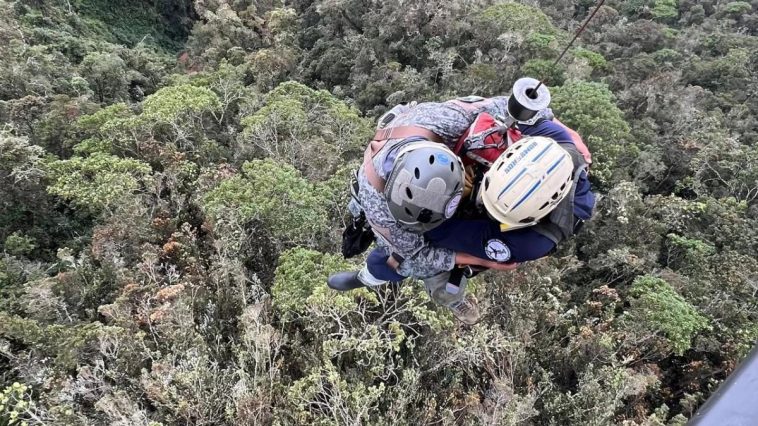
point(173, 188)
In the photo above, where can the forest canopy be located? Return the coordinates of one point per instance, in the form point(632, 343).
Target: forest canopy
point(173, 188)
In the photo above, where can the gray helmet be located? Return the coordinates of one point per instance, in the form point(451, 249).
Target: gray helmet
point(425, 185)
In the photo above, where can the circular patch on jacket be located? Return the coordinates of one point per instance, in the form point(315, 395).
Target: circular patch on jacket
point(497, 251)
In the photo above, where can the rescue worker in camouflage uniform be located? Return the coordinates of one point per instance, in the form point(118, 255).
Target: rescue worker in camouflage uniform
point(401, 156)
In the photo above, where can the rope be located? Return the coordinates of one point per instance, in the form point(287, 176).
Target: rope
point(576, 36)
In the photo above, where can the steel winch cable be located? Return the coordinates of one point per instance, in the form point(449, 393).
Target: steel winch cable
point(571, 43)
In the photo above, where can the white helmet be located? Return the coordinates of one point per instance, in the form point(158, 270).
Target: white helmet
point(527, 182)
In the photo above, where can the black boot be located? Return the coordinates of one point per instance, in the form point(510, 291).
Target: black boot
point(344, 281)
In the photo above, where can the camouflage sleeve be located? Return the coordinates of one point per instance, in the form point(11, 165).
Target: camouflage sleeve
point(446, 119)
point(420, 259)
point(449, 119)
point(428, 263)
point(498, 106)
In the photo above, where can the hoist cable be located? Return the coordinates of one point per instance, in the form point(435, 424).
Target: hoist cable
point(576, 36)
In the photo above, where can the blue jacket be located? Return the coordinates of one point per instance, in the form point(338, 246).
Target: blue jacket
point(483, 238)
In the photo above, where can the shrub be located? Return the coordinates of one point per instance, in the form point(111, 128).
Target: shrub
point(310, 129)
point(274, 194)
point(590, 109)
point(594, 59)
point(666, 10)
point(175, 104)
point(658, 307)
point(99, 181)
point(543, 69)
point(18, 244)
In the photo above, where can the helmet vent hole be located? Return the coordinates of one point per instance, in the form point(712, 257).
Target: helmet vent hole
point(509, 155)
point(452, 167)
point(487, 184)
point(431, 159)
point(409, 212)
point(457, 185)
point(417, 173)
point(556, 195)
point(544, 205)
point(527, 220)
point(563, 187)
point(409, 193)
point(500, 166)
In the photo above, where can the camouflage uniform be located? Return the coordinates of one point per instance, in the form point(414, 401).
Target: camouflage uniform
point(449, 120)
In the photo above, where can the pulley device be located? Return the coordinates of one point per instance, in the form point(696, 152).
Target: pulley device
point(529, 97)
point(529, 94)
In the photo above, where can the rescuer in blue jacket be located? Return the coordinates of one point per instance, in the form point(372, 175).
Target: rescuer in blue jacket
point(534, 196)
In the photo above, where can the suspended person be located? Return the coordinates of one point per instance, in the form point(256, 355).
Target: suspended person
point(411, 183)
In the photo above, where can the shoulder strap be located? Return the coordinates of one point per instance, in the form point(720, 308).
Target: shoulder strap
point(380, 140)
point(561, 222)
point(472, 106)
point(403, 132)
point(368, 165)
point(578, 142)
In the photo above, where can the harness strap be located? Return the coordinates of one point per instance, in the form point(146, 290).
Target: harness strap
point(368, 165)
point(403, 132)
point(380, 139)
point(472, 106)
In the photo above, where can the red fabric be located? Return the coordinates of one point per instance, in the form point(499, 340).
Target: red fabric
point(578, 142)
point(485, 121)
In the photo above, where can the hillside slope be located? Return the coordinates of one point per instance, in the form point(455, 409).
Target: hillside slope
point(173, 183)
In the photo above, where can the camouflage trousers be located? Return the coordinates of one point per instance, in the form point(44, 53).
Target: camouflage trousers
point(443, 292)
point(439, 287)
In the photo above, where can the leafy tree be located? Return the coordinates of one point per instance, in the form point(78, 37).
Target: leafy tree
point(97, 182)
point(18, 244)
point(665, 10)
point(223, 27)
point(19, 160)
point(544, 70)
point(177, 103)
point(737, 8)
point(594, 59)
point(173, 118)
point(106, 74)
point(274, 194)
point(660, 308)
point(308, 128)
point(589, 108)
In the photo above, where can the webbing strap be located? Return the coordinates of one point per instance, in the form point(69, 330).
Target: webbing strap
point(472, 106)
point(368, 165)
point(403, 132)
point(380, 139)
